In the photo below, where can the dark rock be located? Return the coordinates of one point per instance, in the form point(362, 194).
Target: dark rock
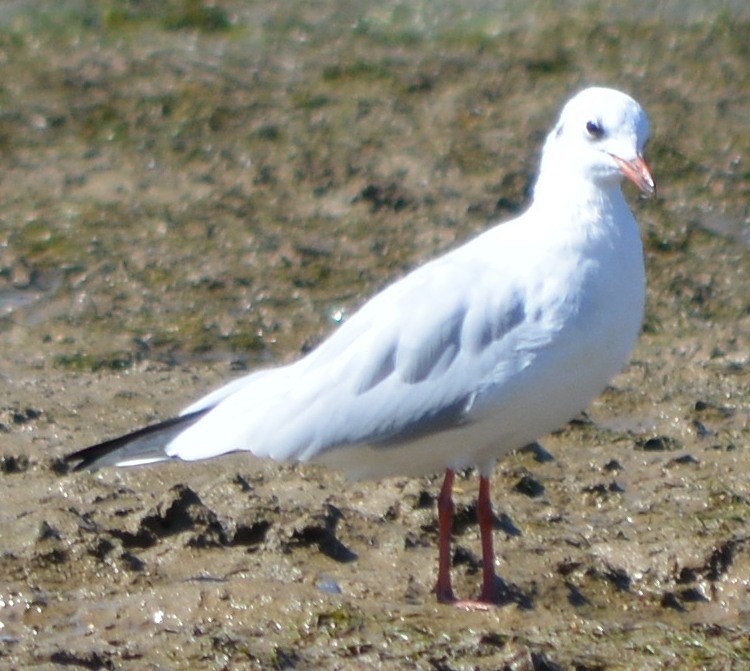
point(658, 444)
point(320, 529)
point(14, 464)
point(670, 600)
point(612, 465)
point(529, 486)
point(683, 460)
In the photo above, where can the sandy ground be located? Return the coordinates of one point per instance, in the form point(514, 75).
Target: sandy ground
point(194, 191)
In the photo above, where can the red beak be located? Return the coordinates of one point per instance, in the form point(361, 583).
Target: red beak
point(638, 172)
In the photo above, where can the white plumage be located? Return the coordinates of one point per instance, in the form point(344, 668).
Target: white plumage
point(470, 356)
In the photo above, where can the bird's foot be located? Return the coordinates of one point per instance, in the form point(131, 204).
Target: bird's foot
point(474, 605)
point(486, 600)
point(445, 594)
point(491, 592)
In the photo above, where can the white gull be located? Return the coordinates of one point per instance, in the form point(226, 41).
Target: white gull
point(468, 357)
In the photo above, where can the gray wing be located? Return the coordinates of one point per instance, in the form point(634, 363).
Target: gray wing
point(401, 367)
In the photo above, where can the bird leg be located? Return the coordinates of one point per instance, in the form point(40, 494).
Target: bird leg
point(490, 592)
point(443, 588)
point(486, 518)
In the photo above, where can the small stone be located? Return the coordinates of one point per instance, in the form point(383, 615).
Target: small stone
point(683, 460)
point(327, 584)
point(658, 444)
point(670, 600)
point(613, 465)
point(540, 454)
point(529, 486)
point(10, 463)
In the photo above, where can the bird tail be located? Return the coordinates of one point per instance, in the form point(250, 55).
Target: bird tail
point(144, 446)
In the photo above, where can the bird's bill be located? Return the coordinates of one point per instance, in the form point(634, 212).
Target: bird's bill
point(638, 172)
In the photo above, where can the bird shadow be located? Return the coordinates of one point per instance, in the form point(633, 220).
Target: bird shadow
point(510, 593)
point(507, 592)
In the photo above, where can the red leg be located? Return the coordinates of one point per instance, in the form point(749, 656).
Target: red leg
point(489, 593)
point(443, 589)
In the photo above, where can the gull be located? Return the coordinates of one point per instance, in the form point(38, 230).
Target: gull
point(472, 355)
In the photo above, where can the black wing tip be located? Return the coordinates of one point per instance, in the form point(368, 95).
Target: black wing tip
point(88, 458)
point(83, 459)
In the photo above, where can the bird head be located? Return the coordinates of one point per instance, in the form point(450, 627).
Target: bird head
point(599, 137)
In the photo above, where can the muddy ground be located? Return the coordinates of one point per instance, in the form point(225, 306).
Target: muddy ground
point(191, 190)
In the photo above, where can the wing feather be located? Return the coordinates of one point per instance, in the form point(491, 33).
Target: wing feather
point(397, 369)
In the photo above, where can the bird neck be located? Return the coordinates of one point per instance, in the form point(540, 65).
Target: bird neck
point(577, 200)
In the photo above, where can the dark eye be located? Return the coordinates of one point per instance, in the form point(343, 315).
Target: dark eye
point(594, 129)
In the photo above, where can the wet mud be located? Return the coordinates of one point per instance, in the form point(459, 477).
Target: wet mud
point(192, 191)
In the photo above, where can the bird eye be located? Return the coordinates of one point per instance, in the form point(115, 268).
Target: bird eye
point(594, 129)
